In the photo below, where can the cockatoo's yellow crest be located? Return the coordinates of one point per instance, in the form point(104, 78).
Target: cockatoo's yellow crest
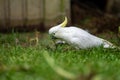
point(64, 23)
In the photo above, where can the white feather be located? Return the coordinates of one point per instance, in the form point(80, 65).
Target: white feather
point(78, 37)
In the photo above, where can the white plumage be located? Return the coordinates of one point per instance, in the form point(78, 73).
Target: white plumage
point(77, 37)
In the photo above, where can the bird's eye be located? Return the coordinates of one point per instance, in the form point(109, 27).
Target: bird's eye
point(53, 36)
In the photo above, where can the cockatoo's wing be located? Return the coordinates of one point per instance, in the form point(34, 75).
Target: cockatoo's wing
point(80, 38)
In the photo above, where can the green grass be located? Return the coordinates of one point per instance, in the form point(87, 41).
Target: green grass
point(22, 61)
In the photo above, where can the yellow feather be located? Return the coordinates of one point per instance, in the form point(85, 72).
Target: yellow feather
point(64, 22)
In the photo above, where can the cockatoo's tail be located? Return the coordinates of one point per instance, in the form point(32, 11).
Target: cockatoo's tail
point(64, 23)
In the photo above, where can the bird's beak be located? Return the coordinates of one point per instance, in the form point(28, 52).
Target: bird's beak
point(64, 23)
point(52, 37)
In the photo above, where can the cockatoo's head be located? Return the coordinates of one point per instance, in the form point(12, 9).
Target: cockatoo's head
point(55, 29)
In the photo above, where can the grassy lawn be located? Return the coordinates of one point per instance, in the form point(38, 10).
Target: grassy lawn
point(21, 59)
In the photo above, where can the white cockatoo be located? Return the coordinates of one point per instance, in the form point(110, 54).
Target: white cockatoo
point(77, 37)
